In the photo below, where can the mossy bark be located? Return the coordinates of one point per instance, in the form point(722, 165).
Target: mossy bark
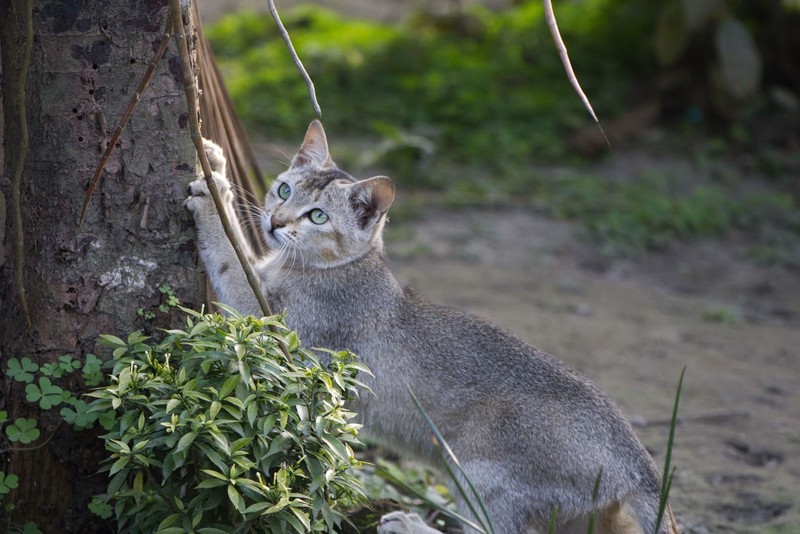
point(86, 60)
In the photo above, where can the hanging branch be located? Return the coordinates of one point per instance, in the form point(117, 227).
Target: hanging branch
point(190, 87)
point(128, 112)
point(24, 146)
point(550, 17)
point(222, 125)
point(299, 64)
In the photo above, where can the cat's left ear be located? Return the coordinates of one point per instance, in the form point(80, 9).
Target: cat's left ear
point(371, 198)
point(314, 150)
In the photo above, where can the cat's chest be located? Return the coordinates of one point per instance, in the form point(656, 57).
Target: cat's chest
point(322, 317)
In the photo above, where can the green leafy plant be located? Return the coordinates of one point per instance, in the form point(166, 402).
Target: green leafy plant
point(217, 431)
point(169, 298)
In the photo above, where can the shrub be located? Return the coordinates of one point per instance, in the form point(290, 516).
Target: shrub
point(217, 431)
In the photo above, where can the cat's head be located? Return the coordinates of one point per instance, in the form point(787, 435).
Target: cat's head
point(319, 215)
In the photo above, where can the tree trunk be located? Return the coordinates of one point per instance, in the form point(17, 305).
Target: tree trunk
point(86, 60)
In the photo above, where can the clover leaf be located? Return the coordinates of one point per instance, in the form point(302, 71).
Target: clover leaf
point(8, 482)
point(92, 370)
point(80, 417)
point(23, 430)
point(30, 528)
point(3, 416)
point(68, 363)
point(46, 393)
point(22, 370)
point(100, 508)
point(52, 369)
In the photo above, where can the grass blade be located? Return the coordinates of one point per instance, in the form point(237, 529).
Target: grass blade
point(666, 480)
point(442, 443)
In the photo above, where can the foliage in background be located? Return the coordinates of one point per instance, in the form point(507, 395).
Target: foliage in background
point(485, 86)
point(632, 216)
point(216, 431)
point(465, 102)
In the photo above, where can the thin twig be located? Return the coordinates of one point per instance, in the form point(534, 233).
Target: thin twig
point(16, 184)
point(550, 17)
point(190, 88)
point(128, 112)
point(299, 64)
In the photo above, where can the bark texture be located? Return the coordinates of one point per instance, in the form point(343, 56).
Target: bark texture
point(86, 60)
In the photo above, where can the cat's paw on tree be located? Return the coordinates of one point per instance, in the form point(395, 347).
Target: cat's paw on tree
point(199, 194)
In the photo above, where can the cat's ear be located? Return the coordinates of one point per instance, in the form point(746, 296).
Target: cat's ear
point(371, 198)
point(314, 150)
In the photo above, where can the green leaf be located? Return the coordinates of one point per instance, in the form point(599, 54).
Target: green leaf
point(68, 363)
point(118, 465)
point(172, 404)
point(46, 394)
point(114, 341)
point(30, 528)
point(52, 369)
point(229, 385)
point(215, 474)
point(236, 499)
point(8, 482)
point(23, 430)
point(240, 443)
point(100, 508)
point(3, 416)
point(186, 441)
point(138, 486)
point(22, 370)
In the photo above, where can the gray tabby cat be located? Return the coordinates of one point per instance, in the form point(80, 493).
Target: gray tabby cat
point(531, 433)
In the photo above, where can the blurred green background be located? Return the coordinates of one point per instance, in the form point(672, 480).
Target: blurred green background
point(469, 102)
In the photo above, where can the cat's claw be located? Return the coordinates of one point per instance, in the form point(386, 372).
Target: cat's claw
point(403, 523)
point(198, 192)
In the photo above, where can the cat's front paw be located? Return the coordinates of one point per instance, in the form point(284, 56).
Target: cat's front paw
point(215, 155)
point(199, 194)
point(403, 523)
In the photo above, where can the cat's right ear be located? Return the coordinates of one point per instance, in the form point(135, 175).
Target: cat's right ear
point(314, 150)
point(371, 198)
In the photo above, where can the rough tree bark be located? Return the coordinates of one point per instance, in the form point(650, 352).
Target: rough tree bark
point(86, 60)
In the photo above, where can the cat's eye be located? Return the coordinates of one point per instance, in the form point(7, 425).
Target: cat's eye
point(284, 191)
point(317, 216)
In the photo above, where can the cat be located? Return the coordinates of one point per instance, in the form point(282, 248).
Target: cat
point(532, 434)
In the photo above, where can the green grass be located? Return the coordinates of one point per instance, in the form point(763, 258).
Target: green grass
point(483, 86)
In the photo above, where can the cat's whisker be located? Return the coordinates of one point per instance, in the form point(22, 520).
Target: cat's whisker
point(244, 195)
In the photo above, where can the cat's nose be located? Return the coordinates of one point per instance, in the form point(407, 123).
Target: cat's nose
point(276, 223)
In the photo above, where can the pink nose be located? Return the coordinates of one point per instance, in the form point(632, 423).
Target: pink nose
point(276, 223)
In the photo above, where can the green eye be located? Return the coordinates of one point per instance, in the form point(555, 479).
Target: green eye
point(318, 216)
point(284, 191)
